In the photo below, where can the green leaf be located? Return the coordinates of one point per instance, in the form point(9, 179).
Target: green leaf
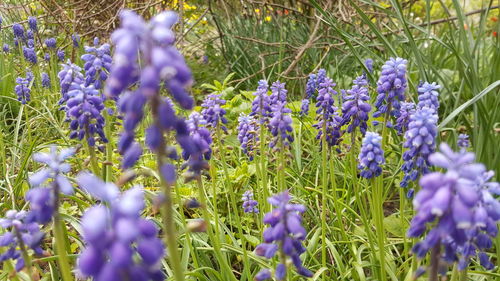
point(395, 226)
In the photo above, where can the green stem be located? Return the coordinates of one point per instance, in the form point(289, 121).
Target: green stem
point(108, 171)
point(93, 159)
point(434, 270)
point(24, 253)
point(233, 201)
point(60, 238)
point(187, 233)
point(378, 213)
point(265, 191)
point(463, 275)
point(281, 167)
point(323, 196)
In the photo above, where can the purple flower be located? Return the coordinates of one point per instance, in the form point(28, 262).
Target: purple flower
point(212, 112)
point(304, 107)
point(391, 87)
point(202, 140)
point(22, 234)
point(30, 54)
point(42, 198)
point(84, 112)
point(50, 43)
point(369, 65)
point(311, 86)
point(45, 80)
point(261, 105)
point(280, 126)
point(278, 93)
point(18, 31)
point(249, 204)
point(371, 156)
point(69, 77)
point(320, 77)
point(428, 96)
point(458, 207)
point(406, 111)
point(247, 134)
point(75, 38)
point(420, 141)
point(97, 64)
point(284, 235)
point(60, 55)
point(22, 90)
point(6, 48)
point(463, 141)
point(46, 57)
point(355, 109)
point(116, 235)
point(32, 23)
point(327, 113)
point(31, 38)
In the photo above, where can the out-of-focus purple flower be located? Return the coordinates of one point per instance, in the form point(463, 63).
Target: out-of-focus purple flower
point(30, 55)
point(69, 77)
point(213, 113)
point(391, 87)
point(96, 41)
point(97, 64)
point(32, 23)
point(261, 105)
point(18, 31)
point(249, 204)
point(463, 141)
point(29, 75)
point(458, 207)
point(284, 235)
point(46, 57)
point(369, 65)
point(420, 141)
point(48, 182)
point(22, 234)
point(119, 243)
point(30, 43)
point(50, 43)
point(304, 107)
point(280, 126)
point(22, 90)
point(355, 109)
point(407, 109)
point(75, 38)
point(371, 156)
point(428, 96)
point(264, 274)
point(30, 36)
point(45, 80)
point(202, 140)
point(278, 93)
point(321, 77)
point(311, 86)
point(60, 55)
point(327, 113)
point(247, 134)
point(6, 48)
point(84, 112)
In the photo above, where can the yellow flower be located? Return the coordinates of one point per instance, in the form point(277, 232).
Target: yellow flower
point(268, 18)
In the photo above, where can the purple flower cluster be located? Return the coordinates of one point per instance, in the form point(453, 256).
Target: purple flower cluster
point(18, 31)
point(371, 156)
point(406, 111)
point(327, 113)
point(46, 57)
point(311, 86)
point(460, 206)
point(84, 112)
point(30, 54)
point(97, 64)
point(304, 107)
point(284, 235)
point(60, 55)
point(119, 243)
point(463, 141)
point(278, 93)
point(261, 105)
point(428, 96)
point(32, 23)
point(48, 182)
point(280, 126)
point(213, 112)
point(23, 90)
point(247, 134)
point(50, 43)
point(45, 80)
point(202, 139)
point(149, 45)
point(6, 48)
point(69, 76)
point(420, 141)
point(355, 109)
point(391, 87)
point(75, 38)
point(249, 204)
point(23, 235)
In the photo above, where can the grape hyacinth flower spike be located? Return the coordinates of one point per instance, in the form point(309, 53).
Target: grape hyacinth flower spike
point(18, 31)
point(391, 88)
point(327, 116)
point(60, 55)
point(371, 156)
point(284, 236)
point(355, 109)
point(70, 77)
point(463, 141)
point(45, 80)
point(50, 43)
point(420, 141)
point(32, 23)
point(116, 235)
point(30, 55)
point(202, 139)
point(405, 113)
point(278, 93)
point(18, 236)
point(280, 126)
point(6, 48)
point(213, 113)
point(97, 64)
point(428, 96)
point(249, 204)
point(75, 38)
point(261, 105)
point(304, 107)
point(23, 90)
point(456, 212)
point(247, 134)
